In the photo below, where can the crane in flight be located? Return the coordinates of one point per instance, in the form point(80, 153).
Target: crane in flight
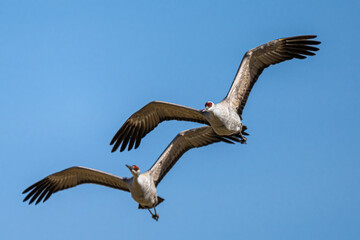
point(224, 117)
point(142, 186)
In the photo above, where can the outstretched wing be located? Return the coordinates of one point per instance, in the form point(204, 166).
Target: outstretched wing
point(184, 141)
point(259, 58)
point(147, 118)
point(69, 178)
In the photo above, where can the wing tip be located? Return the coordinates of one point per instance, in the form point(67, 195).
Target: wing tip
point(309, 36)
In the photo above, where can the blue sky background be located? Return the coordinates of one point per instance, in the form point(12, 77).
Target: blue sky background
point(71, 72)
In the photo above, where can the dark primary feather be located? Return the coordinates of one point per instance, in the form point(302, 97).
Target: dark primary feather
point(183, 142)
point(147, 118)
point(69, 178)
point(259, 58)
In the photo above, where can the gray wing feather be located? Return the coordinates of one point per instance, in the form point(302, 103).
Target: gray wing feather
point(184, 141)
point(259, 58)
point(72, 177)
point(147, 118)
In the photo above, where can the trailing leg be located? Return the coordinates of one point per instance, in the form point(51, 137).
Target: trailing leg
point(154, 216)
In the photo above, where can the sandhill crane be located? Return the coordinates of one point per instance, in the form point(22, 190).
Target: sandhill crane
point(225, 116)
point(142, 186)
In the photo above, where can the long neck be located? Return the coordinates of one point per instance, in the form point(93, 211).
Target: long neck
point(133, 182)
point(135, 177)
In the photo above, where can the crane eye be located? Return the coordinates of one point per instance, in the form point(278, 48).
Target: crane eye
point(135, 167)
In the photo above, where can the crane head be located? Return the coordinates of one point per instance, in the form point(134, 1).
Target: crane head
point(135, 170)
point(208, 105)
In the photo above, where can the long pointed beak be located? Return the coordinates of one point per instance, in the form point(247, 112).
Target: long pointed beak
point(129, 167)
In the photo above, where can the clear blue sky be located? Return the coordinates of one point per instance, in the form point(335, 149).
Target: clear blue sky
point(71, 72)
